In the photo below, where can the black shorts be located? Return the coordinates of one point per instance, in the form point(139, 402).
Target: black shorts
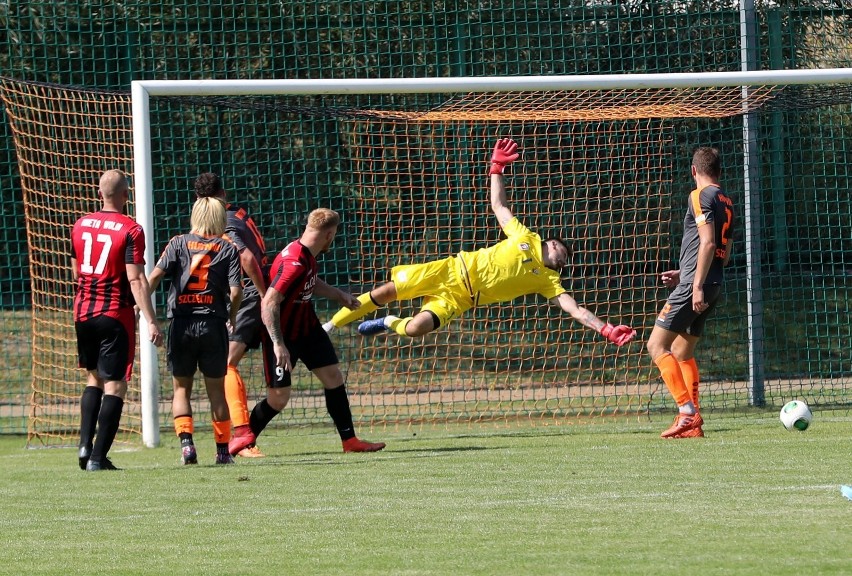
point(198, 343)
point(677, 314)
point(315, 350)
point(249, 329)
point(107, 345)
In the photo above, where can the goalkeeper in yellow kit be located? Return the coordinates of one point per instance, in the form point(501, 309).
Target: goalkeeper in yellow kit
point(521, 264)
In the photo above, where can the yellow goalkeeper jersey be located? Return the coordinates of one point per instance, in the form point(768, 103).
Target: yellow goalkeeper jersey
point(510, 268)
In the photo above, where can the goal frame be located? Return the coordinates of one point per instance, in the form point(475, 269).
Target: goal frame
point(143, 90)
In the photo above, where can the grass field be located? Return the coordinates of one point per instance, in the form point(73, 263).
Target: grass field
point(751, 498)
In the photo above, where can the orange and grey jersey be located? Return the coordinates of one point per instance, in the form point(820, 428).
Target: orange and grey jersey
point(202, 270)
point(243, 232)
point(709, 206)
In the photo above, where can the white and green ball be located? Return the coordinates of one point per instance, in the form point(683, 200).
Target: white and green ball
point(795, 415)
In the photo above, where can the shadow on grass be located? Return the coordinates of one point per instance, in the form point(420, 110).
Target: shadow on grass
point(537, 433)
point(327, 459)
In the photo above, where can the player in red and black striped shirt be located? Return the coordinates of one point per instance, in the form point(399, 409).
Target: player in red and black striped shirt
point(107, 263)
point(296, 333)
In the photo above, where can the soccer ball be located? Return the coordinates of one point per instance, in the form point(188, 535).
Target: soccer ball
point(795, 415)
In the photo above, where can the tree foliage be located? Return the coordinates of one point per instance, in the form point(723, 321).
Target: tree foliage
point(107, 43)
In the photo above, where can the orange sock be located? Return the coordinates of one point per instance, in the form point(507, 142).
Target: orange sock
point(222, 431)
point(672, 376)
point(689, 369)
point(235, 395)
point(183, 424)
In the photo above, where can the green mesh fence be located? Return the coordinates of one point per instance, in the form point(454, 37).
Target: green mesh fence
point(803, 152)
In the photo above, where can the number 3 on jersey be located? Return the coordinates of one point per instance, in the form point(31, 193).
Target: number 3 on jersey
point(105, 243)
point(199, 268)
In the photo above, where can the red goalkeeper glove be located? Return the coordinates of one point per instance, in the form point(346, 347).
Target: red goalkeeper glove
point(503, 155)
point(618, 335)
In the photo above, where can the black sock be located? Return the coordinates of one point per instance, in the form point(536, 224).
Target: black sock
point(90, 406)
point(108, 421)
point(222, 448)
point(185, 439)
point(261, 415)
point(337, 403)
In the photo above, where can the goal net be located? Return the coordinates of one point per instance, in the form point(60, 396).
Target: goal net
point(405, 163)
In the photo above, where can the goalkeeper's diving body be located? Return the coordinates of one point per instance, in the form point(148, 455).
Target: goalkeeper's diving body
point(521, 264)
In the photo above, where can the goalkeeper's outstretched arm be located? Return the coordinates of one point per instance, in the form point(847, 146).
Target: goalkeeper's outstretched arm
point(618, 335)
point(505, 152)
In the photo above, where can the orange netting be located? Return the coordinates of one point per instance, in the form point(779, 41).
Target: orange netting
point(595, 106)
point(596, 169)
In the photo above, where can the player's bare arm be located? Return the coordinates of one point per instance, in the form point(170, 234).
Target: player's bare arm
point(251, 267)
point(325, 290)
point(706, 252)
point(577, 312)
point(142, 294)
point(618, 335)
point(505, 152)
point(270, 313)
point(728, 250)
point(236, 300)
point(499, 204)
point(670, 278)
point(154, 278)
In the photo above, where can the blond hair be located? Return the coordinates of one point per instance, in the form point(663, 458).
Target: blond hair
point(323, 219)
point(209, 216)
point(112, 182)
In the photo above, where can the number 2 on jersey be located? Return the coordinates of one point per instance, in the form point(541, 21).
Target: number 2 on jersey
point(726, 227)
point(726, 234)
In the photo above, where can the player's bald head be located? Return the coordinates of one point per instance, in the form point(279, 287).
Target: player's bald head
point(112, 184)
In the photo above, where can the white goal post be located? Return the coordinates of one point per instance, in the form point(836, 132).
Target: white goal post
point(143, 90)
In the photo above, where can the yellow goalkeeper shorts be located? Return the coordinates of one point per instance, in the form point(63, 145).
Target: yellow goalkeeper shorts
point(439, 283)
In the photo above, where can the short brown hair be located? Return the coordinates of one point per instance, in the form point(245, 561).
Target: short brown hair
point(565, 245)
point(208, 185)
point(323, 219)
point(707, 163)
